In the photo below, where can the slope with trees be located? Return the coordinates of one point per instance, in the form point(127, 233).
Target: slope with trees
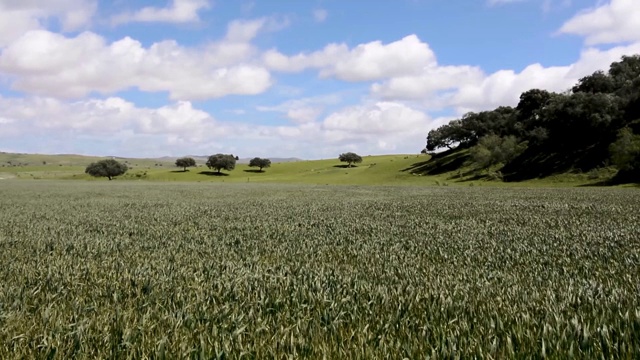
point(594, 124)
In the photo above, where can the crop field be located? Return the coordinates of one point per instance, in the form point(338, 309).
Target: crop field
point(133, 270)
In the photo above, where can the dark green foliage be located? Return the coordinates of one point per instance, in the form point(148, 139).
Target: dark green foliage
point(108, 168)
point(260, 163)
point(598, 82)
point(221, 162)
point(185, 162)
point(563, 132)
point(492, 150)
point(350, 158)
point(625, 154)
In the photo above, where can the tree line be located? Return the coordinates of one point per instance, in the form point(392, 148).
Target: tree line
point(111, 168)
point(594, 124)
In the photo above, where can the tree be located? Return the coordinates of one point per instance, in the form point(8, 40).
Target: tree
point(221, 161)
point(260, 163)
point(598, 82)
point(185, 162)
point(625, 153)
point(492, 150)
point(350, 158)
point(108, 168)
point(448, 135)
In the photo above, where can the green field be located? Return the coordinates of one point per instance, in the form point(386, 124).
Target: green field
point(126, 269)
point(403, 169)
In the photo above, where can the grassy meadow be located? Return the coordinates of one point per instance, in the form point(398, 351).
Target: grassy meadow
point(127, 269)
point(403, 169)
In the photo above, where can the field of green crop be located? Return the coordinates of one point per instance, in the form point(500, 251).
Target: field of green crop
point(213, 270)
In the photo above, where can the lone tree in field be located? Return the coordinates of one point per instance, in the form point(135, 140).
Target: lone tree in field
point(185, 162)
point(108, 168)
point(221, 161)
point(260, 163)
point(350, 158)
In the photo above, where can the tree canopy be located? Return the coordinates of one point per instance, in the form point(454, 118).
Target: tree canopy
point(221, 162)
point(350, 158)
point(185, 162)
point(260, 163)
point(108, 168)
point(551, 132)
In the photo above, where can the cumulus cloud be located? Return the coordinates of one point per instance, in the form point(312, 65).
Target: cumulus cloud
point(179, 11)
point(381, 118)
point(104, 117)
point(431, 79)
point(179, 128)
point(504, 87)
point(616, 21)
point(368, 128)
point(118, 124)
point(20, 16)
point(365, 62)
point(44, 63)
point(303, 110)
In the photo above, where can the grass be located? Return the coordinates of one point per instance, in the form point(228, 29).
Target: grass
point(404, 169)
point(128, 269)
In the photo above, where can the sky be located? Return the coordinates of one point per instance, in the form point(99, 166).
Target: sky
point(284, 78)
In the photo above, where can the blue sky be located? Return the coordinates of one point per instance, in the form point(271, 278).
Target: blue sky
point(307, 79)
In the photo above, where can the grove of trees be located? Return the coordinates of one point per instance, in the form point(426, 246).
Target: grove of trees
point(594, 124)
point(108, 168)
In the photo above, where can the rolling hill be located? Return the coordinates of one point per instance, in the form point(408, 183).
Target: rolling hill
point(403, 169)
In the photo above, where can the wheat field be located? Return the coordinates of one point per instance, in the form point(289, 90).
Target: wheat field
point(133, 270)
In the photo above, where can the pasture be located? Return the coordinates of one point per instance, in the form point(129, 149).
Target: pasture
point(401, 169)
point(124, 269)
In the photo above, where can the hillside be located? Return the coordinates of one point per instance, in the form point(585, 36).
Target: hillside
point(593, 128)
point(444, 169)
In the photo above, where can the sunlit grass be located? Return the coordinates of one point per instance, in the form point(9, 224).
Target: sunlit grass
point(127, 269)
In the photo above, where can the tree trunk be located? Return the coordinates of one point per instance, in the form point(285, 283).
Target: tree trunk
point(349, 164)
point(185, 169)
point(260, 168)
point(109, 178)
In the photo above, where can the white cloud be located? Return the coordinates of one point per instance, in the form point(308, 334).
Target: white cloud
point(431, 79)
point(381, 118)
point(370, 128)
point(365, 62)
point(504, 87)
point(20, 16)
point(49, 64)
point(304, 110)
point(179, 11)
point(616, 21)
point(179, 128)
point(320, 15)
point(111, 117)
